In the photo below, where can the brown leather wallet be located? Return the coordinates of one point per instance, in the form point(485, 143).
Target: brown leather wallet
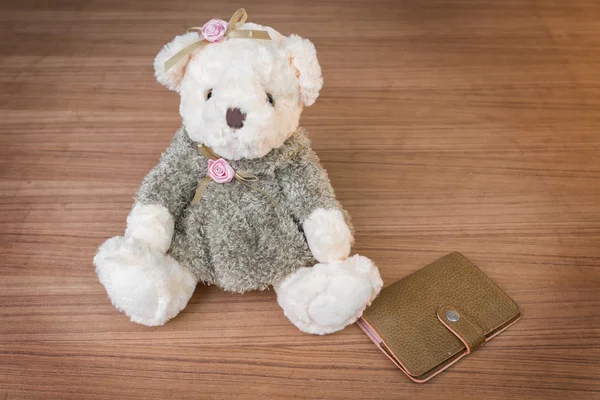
point(437, 315)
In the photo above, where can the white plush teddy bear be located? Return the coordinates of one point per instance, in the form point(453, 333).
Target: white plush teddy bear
point(239, 199)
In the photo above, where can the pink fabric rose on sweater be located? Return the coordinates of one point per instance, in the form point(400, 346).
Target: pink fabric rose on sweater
point(214, 30)
point(220, 171)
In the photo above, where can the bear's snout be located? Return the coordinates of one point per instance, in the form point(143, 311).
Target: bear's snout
point(235, 118)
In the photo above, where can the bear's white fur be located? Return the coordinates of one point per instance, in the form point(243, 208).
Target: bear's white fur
point(240, 73)
point(328, 235)
point(327, 297)
point(152, 224)
point(147, 285)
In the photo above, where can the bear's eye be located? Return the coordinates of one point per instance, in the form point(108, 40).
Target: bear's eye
point(270, 99)
point(209, 94)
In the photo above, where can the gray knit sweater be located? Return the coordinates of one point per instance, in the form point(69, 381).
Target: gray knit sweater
point(236, 237)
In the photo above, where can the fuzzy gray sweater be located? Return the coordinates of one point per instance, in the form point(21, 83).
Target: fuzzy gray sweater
point(236, 237)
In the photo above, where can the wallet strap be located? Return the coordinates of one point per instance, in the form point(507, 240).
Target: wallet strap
point(462, 327)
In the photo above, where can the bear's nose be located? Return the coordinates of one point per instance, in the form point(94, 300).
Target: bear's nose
point(235, 118)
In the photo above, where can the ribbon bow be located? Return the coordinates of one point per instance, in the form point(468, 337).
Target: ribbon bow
point(240, 176)
point(233, 31)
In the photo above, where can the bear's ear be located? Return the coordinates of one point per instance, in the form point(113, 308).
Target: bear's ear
point(303, 56)
point(172, 78)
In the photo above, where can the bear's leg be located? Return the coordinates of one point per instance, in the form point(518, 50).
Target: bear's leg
point(149, 286)
point(327, 297)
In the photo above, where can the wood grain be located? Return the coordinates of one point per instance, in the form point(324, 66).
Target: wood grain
point(465, 125)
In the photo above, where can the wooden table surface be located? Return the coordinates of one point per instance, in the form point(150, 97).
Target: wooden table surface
point(465, 125)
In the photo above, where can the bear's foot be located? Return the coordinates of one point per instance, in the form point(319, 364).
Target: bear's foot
point(327, 297)
point(149, 286)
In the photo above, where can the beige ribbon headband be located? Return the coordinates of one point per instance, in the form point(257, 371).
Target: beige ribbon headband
point(215, 30)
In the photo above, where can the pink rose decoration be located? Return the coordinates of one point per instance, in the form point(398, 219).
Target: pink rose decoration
point(214, 30)
point(220, 171)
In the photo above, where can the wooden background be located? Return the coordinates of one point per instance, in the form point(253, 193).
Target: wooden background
point(468, 125)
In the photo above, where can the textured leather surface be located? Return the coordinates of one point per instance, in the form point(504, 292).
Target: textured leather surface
point(405, 315)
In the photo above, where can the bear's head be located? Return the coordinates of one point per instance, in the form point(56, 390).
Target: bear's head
point(242, 97)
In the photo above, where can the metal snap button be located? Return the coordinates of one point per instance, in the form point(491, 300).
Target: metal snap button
point(452, 316)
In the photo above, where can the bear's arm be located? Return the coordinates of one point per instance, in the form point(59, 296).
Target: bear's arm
point(310, 198)
point(165, 192)
point(306, 185)
point(172, 182)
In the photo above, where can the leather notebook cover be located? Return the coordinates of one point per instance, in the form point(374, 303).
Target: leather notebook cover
point(432, 318)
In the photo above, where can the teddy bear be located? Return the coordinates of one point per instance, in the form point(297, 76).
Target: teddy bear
point(239, 199)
